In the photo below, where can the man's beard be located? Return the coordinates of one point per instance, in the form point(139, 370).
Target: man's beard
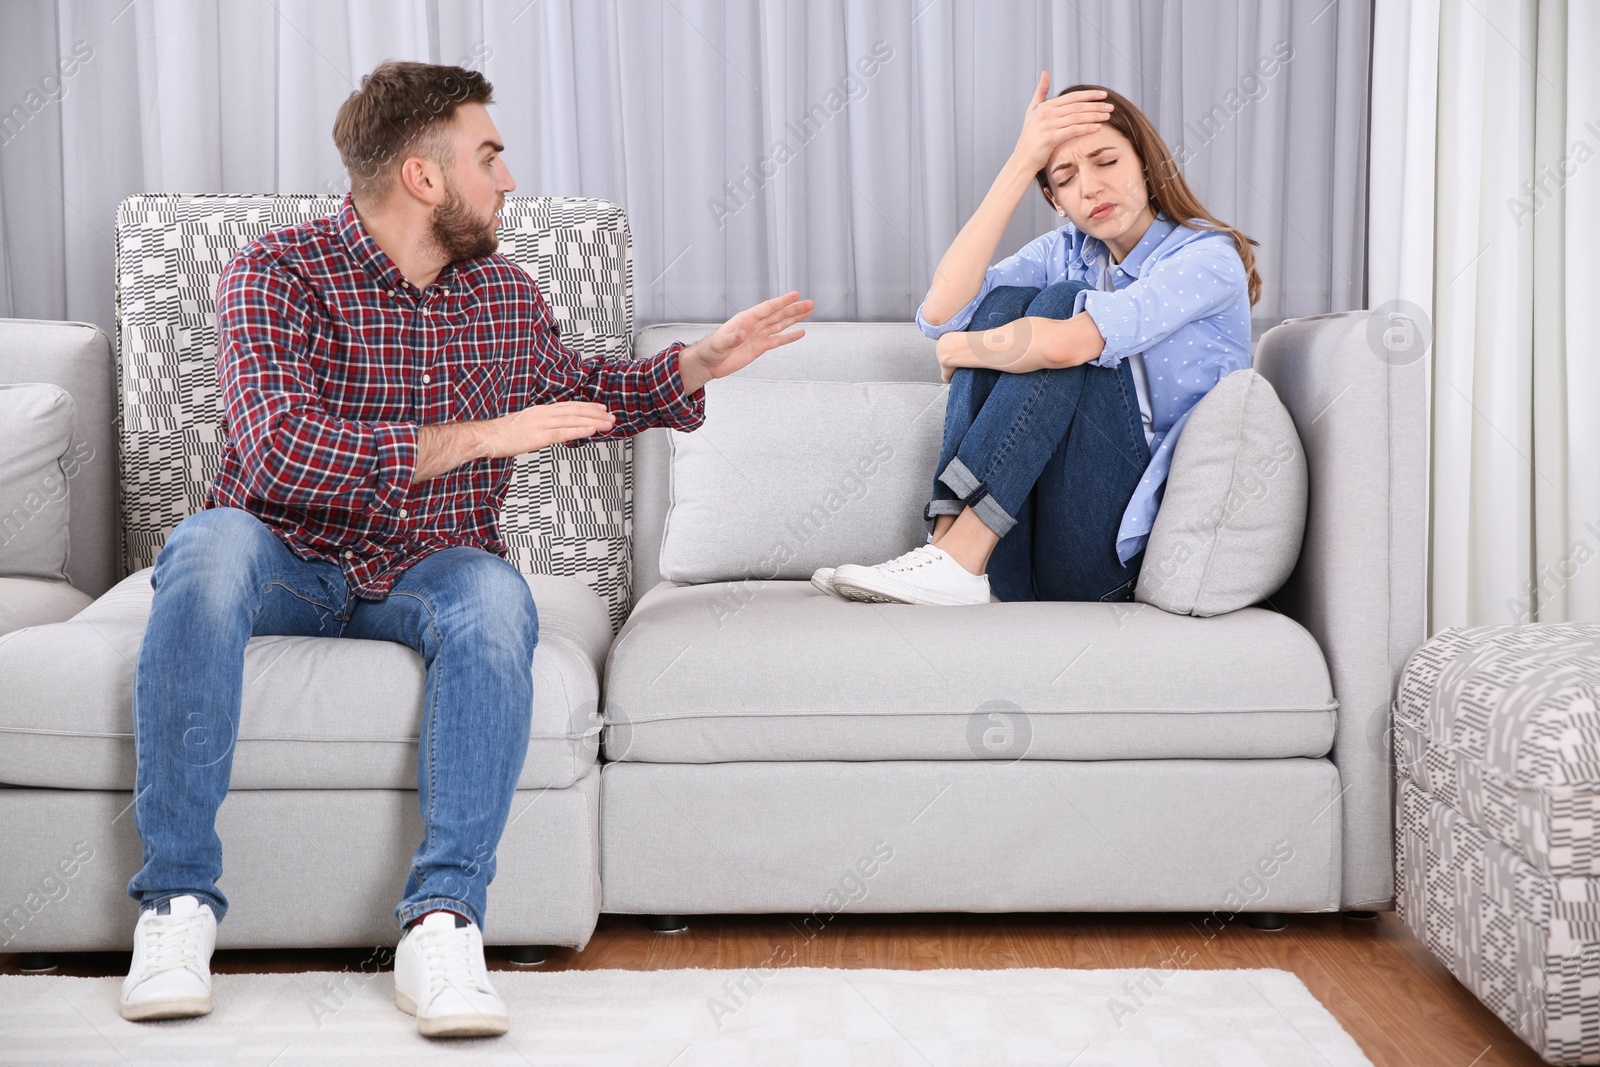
point(458, 232)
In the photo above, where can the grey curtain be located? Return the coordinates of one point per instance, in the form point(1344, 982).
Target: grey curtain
point(831, 146)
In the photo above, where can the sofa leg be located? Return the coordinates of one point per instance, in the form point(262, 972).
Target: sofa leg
point(667, 924)
point(37, 962)
point(526, 955)
point(1266, 920)
point(1360, 915)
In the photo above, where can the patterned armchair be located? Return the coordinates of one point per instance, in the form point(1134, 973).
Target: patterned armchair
point(567, 511)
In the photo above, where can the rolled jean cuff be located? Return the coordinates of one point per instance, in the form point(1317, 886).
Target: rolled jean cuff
point(962, 482)
point(942, 506)
point(994, 516)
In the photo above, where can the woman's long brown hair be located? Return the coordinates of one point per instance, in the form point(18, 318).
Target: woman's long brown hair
point(1164, 184)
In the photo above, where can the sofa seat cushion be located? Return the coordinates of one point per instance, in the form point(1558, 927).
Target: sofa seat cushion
point(1502, 724)
point(36, 602)
point(779, 671)
point(318, 713)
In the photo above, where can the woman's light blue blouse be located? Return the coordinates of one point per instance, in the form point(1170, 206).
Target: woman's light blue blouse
point(1180, 298)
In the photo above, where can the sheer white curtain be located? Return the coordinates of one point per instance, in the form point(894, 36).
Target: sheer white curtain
point(1485, 212)
point(834, 146)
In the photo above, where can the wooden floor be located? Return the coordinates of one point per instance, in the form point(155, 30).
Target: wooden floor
point(1383, 986)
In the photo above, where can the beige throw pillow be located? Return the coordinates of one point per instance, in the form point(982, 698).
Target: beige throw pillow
point(1228, 532)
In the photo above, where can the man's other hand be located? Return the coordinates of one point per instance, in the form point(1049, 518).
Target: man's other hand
point(447, 446)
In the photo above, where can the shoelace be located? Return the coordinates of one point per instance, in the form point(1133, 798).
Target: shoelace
point(172, 941)
point(921, 556)
point(449, 959)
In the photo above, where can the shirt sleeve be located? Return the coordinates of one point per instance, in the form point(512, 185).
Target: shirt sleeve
point(1192, 283)
point(641, 393)
point(293, 452)
point(1030, 267)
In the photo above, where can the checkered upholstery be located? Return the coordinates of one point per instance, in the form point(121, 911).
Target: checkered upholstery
point(1502, 723)
point(1497, 747)
point(567, 512)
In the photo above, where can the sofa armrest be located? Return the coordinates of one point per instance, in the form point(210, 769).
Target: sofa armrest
point(1360, 583)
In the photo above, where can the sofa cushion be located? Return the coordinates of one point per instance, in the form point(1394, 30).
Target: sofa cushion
point(34, 507)
point(37, 602)
point(318, 713)
point(77, 357)
point(1500, 723)
point(778, 671)
point(1234, 510)
point(786, 477)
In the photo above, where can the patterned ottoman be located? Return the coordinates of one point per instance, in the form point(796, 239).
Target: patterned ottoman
point(1497, 751)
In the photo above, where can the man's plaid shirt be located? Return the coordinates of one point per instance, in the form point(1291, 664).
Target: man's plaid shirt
point(330, 362)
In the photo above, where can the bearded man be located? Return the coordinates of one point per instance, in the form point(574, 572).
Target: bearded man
point(380, 369)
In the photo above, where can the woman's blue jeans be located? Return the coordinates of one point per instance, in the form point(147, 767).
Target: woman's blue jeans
point(1048, 460)
point(224, 577)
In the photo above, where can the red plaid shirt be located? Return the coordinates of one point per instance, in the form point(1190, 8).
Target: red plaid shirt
point(330, 361)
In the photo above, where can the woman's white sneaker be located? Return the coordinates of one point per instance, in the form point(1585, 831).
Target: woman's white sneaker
point(440, 977)
point(170, 977)
point(822, 581)
point(925, 575)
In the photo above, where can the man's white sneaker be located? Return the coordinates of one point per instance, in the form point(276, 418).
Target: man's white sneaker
point(440, 977)
point(822, 581)
point(171, 973)
point(925, 575)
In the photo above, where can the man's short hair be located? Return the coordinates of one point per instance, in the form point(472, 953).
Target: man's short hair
point(399, 111)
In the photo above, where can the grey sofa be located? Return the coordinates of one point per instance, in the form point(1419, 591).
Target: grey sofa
point(804, 755)
point(756, 758)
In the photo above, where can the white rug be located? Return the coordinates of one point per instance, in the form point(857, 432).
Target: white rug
point(694, 1018)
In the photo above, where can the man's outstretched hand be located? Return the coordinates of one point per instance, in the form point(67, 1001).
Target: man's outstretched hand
point(737, 342)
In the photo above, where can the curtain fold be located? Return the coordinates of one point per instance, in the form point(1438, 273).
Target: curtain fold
point(830, 146)
point(1482, 195)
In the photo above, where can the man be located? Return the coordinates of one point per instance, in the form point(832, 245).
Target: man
point(380, 368)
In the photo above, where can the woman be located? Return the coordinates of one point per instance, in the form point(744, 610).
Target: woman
point(1072, 365)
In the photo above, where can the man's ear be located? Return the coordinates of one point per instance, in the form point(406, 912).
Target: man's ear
point(422, 178)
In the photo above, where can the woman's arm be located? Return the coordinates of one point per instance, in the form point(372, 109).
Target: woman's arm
point(1047, 123)
point(960, 273)
point(1201, 279)
point(1023, 345)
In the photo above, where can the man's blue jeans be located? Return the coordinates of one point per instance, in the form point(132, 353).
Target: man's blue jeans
point(224, 577)
point(1048, 460)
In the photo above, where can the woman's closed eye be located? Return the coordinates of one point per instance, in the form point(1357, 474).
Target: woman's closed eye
point(1107, 163)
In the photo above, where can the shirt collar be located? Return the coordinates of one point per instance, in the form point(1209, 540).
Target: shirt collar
point(1133, 263)
point(366, 253)
point(363, 249)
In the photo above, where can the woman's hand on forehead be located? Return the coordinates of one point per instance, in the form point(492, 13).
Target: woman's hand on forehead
point(1049, 121)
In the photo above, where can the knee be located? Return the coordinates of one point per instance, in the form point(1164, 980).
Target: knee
point(1004, 304)
point(1058, 300)
point(218, 549)
point(494, 606)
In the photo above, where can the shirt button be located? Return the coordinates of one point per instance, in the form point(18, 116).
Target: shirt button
point(403, 513)
point(391, 292)
point(349, 554)
point(426, 378)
